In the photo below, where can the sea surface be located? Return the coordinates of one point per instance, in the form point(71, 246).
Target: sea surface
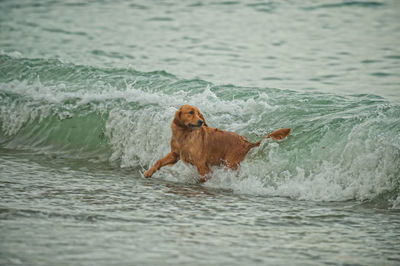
point(88, 90)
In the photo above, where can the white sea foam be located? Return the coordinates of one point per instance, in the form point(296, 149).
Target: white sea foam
point(396, 203)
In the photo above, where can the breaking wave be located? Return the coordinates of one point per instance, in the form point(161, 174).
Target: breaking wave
point(341, 147)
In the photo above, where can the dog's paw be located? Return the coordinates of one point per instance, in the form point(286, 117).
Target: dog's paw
point(148, 173)
point(203, 179)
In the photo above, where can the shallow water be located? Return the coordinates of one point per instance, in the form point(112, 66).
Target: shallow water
point(87, 95)
point(79, 215)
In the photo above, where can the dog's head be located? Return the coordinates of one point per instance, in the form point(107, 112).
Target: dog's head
point(190, 117)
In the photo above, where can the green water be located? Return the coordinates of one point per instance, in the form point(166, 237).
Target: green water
point(87, 94)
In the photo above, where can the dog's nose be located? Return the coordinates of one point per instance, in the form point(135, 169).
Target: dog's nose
point(200, 122)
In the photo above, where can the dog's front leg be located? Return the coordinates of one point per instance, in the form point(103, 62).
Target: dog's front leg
point(170, 159)
point(203, 170)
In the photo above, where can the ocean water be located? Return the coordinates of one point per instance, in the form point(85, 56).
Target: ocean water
point(88, 90)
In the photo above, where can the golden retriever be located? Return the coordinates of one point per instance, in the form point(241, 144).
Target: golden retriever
point(194, 142)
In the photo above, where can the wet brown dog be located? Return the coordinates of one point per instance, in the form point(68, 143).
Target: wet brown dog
point(194, 142)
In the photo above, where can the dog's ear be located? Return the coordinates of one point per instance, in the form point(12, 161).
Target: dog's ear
point(177, 118)
point(202, 118)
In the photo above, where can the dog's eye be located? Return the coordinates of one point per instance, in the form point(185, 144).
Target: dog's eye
point(191, 112)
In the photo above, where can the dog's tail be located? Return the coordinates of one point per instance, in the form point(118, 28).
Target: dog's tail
point(276, 135)
point(279, 134)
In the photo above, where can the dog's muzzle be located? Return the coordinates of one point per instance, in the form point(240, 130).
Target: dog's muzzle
point(198, 125)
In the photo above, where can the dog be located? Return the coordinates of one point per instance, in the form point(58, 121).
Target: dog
point(194, 142)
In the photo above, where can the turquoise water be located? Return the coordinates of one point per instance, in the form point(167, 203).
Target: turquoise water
point(87, 94)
